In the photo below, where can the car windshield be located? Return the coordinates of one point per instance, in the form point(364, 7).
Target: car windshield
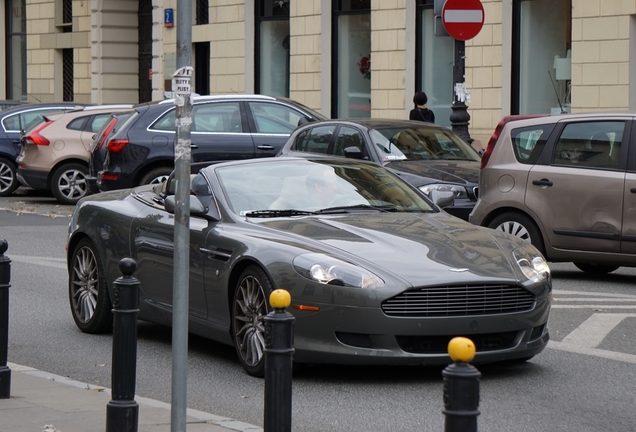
point(413, 143)
point(297, 187)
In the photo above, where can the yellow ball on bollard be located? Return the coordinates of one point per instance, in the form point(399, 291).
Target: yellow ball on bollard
point(461, 349)
point(280, 299)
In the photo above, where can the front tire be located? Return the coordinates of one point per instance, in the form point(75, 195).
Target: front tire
point(596, 269)
point(249, 308)
point(8, 180)
point(69, 184)
point(519, 225)
point(88, 293)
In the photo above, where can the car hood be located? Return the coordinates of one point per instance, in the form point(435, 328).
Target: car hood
point(418, 249)
point(429, 171)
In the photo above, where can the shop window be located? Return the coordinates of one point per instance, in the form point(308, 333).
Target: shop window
point(434, 58)
point(202, 68)
point(272, 47)
point(352, 59)
point(16, 49)
point(541, 56)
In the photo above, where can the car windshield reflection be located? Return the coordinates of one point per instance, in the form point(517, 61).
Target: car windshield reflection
point(396, 144)
point(297, 188)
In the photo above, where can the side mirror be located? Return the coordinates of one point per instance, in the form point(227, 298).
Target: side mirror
point(443, 198)
point(353, 152)
point(196, 208)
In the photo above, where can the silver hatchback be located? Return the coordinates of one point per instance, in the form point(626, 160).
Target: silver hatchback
point(567, 183)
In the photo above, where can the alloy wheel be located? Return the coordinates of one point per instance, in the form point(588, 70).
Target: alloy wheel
point(84, 284)
point(514, 228)
point(249, 311)
point(72, 185)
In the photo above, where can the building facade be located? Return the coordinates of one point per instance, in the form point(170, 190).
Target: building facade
point(345, 58)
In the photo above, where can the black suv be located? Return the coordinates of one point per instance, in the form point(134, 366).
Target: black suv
point(226, 127)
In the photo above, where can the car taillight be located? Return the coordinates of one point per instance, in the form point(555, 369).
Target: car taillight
point(35, 138)
point(116, 146)
point(109, 128)
point(495, 136)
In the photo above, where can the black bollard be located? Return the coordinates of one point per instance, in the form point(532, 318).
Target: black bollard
point(122, 412)
point(461, 388)
point(279, 334)
point(5, 278)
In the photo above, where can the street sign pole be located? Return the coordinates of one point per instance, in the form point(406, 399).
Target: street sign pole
point(463, 20)
point(182, 89)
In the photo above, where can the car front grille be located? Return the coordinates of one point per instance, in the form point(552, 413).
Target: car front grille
point(464, 300)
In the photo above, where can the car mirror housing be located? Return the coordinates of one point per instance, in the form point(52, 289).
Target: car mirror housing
point(353, 152)
point(196, 208)
point(443, 198)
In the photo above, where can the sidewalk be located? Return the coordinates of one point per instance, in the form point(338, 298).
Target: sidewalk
point(43, 402)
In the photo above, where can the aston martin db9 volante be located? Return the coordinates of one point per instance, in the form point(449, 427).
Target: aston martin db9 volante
point(377, 273)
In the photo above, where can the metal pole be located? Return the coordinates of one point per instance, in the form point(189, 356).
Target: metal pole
point(279, 349)
point(5, 278)
point(122, 412)
point(183, 91)
point(459, 118)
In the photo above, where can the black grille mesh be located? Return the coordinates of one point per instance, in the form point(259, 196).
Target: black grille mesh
point(202, 12)
point(67, 74)
point(462, 300)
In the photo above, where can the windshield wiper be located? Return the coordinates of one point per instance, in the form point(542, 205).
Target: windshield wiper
point(348, 209)
point(277, 213)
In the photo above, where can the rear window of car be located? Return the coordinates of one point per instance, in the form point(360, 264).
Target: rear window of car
point(528, 142)
point(315, 140)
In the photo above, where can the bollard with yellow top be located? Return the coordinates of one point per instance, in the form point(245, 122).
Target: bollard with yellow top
point(461, 388)
point(279, 336)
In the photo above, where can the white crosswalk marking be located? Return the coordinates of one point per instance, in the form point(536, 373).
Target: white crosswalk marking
point(586, 338)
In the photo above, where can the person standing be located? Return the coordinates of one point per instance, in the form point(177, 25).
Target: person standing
point(420, 112)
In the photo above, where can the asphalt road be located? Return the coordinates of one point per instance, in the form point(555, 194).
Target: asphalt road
point(584, 380)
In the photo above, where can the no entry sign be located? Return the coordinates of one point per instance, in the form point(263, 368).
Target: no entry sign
point(463, 19)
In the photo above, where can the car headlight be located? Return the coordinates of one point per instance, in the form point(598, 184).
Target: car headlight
point(459, 191)
point(533, 266)
point(327, 270)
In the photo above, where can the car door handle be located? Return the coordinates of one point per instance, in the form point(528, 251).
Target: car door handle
point(542, 182)
point(194, 146)
point(633, 190)
point(265, 147)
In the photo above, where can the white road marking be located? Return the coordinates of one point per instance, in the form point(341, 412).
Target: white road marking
point(621, 301)
point(59, 263)
point(591, 333)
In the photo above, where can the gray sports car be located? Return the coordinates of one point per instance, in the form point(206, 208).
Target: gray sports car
point(378, 274)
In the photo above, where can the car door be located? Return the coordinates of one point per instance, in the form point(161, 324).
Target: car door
point(219, 132)
point(152, 248)
point(578, 195)
point(628, 243)
point(272, 123)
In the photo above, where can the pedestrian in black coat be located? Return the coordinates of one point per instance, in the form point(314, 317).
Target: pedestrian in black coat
point(420, 112)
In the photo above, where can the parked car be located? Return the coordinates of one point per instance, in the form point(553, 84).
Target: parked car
point(8, 103)
point(378, 275)
point(55, 152)
point(567, 184)
point(428, 156)
point(97, 151)
point(14, 121)
point(225, 127)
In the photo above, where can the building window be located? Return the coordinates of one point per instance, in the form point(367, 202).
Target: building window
point(351, 95)
point(203, 12)
point(434, 59)
point(67, 16)
point(202, 68)
point(272, 48)
point(540, 56)
point(67, 74)
point(16, 49)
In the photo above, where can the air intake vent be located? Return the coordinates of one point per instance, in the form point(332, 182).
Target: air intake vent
point(459, 301)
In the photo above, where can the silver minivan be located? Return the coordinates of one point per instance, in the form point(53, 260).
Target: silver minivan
point(567, 183)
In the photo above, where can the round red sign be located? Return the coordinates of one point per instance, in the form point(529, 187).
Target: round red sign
point(463, 19)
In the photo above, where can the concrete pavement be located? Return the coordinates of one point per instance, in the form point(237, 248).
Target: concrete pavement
point(43, 402)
